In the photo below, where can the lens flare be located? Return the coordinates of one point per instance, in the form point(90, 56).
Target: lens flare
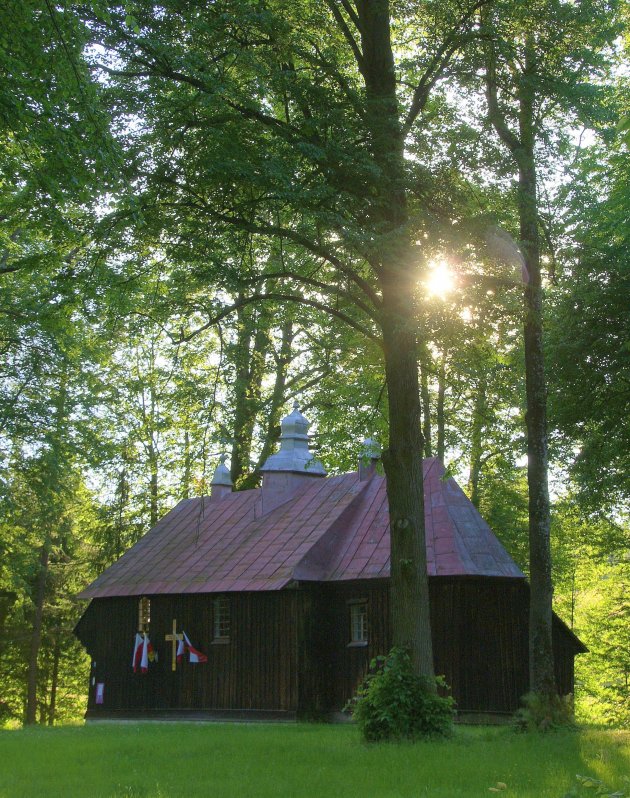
point(440, 280)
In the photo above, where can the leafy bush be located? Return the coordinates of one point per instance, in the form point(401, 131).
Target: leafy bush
point(595, 787)
point(394, 703)
point(545, 713)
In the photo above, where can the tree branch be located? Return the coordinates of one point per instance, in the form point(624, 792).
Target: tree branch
point(311, 246)
point(438, 63)
point(347, 33)
point(253, 298)
point(495, 116)
point(325, 288)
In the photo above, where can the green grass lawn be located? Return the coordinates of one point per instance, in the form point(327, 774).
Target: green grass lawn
point(215, 760)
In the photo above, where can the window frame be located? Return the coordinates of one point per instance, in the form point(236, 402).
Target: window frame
point(221, 617)
point(354, 605)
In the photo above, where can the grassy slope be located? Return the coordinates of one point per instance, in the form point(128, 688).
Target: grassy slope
point(190, 760)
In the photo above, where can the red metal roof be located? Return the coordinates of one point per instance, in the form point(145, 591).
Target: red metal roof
point(333, 529)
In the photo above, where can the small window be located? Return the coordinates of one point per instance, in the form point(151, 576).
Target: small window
point(144, 614)
point(358, 623)
point(221, 627)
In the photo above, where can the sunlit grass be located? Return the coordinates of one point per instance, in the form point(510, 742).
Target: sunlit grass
point(185, 759)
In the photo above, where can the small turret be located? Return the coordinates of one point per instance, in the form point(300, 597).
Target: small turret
point(221, 484)
point(291, 467)
point(369, 456)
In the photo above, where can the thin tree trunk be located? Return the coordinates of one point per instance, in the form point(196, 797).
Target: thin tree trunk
point(154, 483)
point(51, 490)
point(153, 452)
point(476, 436)
point(439, 411)
point(122, 495)
point(36, 635)
point(426, 401)
point(275, 403)
point(54, 681)
point(7, 600)
point(186, 477)
point(252, 348)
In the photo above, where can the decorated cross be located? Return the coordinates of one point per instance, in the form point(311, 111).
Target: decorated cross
point(174, 638)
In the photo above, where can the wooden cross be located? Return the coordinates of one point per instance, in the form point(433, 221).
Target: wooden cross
point(174, 639)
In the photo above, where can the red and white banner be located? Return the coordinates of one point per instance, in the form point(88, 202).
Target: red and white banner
point(143, 653)
point(144, 659)
point(194, 655)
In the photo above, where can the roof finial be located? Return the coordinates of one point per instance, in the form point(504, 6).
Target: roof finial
point(294, 454)
point(221, 474)
point(368, 456)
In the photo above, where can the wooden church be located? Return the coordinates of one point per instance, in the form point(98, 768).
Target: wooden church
point(284, 589)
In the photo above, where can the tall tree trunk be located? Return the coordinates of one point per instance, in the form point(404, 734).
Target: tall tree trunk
point(411, 623)
point(541, 664)
point(36, 634)
point(409, 590)
point(476, 436)
point(439, 411)
point(522, 147)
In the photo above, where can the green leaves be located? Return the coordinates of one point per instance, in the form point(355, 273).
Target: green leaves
point(393, 703)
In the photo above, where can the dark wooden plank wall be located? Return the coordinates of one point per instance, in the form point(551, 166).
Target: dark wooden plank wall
point(289, 650)
point(257, 669)
point(480, 641)
point(341, 666)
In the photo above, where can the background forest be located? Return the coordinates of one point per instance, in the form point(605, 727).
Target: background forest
point(159, 303)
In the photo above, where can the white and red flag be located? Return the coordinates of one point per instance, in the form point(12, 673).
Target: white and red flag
point(144, 659)
point(143, 653)
point(194, 655)
point(180, 651)
point(137, 652)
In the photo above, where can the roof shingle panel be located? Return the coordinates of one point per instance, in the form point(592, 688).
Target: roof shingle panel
point(335, 529)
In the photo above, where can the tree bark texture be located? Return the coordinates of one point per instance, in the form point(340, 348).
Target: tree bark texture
point(542, 679)
point(403, 458)
point(522, 148)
